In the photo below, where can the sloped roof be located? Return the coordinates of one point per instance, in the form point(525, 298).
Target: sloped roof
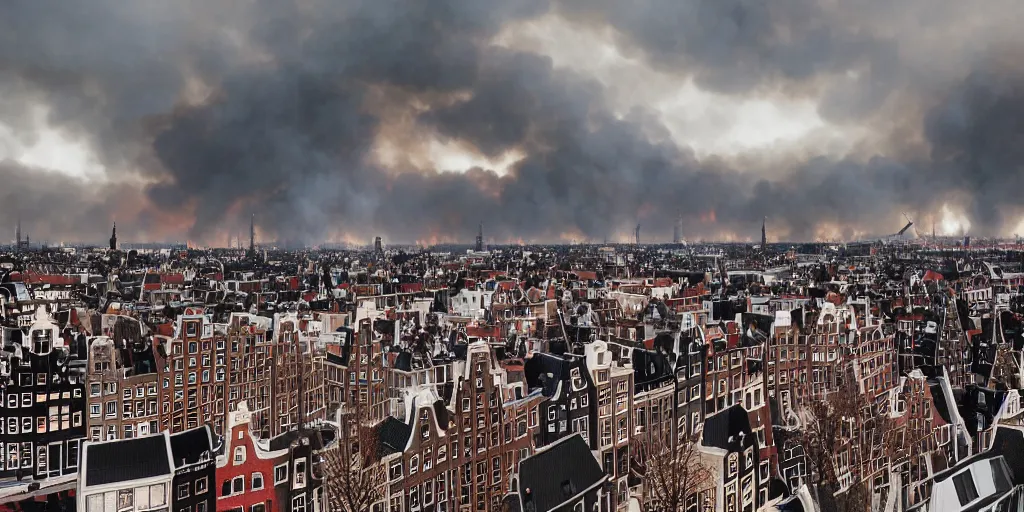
point(558, 473)
point(126, 460)
point(188, 446)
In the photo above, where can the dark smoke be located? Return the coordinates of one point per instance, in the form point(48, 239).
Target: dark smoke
point(274, 107)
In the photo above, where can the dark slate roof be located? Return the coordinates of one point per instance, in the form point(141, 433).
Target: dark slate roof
point(188, 446)
point(727, 423)
point(939, 401)
point(126, 460)
point(315, 437)
point(777, 488)
point(559, 472)
point(392, 436)
point(650, 368)
point(441, 412)
point(538, 365)
point(1009, 443)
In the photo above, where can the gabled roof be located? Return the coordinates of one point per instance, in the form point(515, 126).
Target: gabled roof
point(126, 460)
point(558, 473)
point(392, 436)
point(722, 429)
point(187, 447)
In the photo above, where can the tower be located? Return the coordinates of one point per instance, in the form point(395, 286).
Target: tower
point(636, 234)
point(377, 246)
point(480, 239)
point(252, 235)
point(113, 238)
point(21, 244)
point(764, 233)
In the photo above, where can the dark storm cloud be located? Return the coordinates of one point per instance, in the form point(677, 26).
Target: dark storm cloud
point(976, 134)
point(53, 206)
point(265, 107)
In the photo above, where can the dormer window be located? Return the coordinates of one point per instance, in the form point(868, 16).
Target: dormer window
point(966, 492)
point(42, 341)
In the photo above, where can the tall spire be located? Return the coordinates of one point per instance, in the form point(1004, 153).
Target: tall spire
point(17, 235)
point(252, 235)
point(113, 238)
point(480, 239)
point(764, 233)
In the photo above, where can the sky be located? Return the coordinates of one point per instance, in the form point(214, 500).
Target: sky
point(542, 120)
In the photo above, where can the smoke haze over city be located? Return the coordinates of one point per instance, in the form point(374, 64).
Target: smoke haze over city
point(544, 120)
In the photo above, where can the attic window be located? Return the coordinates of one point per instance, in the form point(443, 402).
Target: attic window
point(41, 341)
point(966, 492)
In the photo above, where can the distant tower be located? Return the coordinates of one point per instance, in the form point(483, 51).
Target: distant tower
point(480, 239)
point(21, 244)
point(113, 238)
point(636, 234)
point(764, 233)
point(252, 235)
point(377, 246)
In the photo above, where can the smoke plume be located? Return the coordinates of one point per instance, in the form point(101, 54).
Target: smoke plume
point(202, 114)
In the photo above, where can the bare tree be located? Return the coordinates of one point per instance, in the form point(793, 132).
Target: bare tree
point(669, 476)
point(843, 433)
point(351, 469)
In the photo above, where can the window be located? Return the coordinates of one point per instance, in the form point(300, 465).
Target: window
point(966, 492)
point(238, 485)
point(259, 507)
point(41, 341)
point(257, 481)
point(299, 503)
point(395, 471)
point(239, 455)
point(300, 473)
point(183, 489)
point(733, 463)
point(72, 461)
point(999, 476)
point(280, 474)
point(157, 498)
